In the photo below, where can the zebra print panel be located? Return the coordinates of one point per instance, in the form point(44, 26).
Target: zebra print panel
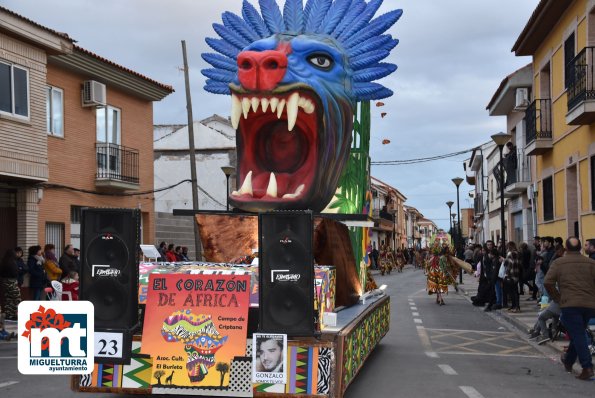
point(324, 371)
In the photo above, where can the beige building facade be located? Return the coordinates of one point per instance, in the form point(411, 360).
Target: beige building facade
point(77, 132)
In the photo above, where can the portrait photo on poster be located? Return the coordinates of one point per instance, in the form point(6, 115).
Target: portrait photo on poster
point(269, 357)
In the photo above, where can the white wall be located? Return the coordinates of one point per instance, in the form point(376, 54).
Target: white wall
point(211, 181)
point(215, 147)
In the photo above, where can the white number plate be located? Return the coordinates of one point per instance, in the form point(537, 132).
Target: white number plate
point(108, 345)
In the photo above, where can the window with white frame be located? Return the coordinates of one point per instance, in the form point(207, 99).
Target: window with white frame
point(14, 90)
point(108, 132)
point(55, 111)
point(108, 125)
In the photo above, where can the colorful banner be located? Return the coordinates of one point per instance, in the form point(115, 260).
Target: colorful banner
point(194, 326)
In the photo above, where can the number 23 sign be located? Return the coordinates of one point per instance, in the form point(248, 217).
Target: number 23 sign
point(108, 345)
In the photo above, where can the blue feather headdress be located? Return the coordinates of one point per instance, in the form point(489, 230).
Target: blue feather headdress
point(349, 22)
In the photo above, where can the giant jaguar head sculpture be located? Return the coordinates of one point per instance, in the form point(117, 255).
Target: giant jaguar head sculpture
point(294, 78)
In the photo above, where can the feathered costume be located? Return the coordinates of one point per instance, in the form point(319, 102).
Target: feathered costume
point(440, 271)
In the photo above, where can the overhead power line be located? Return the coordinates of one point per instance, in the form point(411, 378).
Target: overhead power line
point(128, 194)
point(423, 160)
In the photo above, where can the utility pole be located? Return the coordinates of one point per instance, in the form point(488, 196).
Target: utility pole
point(197, 245)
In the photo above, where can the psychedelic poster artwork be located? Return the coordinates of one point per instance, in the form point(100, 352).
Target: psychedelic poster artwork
point(194, 327)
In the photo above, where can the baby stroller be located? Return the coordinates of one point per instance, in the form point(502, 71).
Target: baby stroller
point(556, 329)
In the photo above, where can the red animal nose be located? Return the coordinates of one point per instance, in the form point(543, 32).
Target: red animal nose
point(261, 70)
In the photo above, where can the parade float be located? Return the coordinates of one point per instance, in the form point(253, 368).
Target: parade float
point(300, 80)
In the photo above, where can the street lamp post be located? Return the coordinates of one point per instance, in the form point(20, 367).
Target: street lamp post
point(500, 139)
point(458, 181)
point(228, 171)
point(449, 204)
point(454, 234)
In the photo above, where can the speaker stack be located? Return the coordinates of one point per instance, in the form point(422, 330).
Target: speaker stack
point(286, 273)
point(109, 271)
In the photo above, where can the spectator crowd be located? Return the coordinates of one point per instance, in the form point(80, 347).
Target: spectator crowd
point(558, 278)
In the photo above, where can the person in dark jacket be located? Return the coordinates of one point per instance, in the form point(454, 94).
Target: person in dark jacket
point(178, 252)
point(511, 280)
point(574, 276)
point(162, 249)
point(67, 263)
point(77, 260)
point(23, 275)
point(488, 266)
point(548, 252)
point(528, 274)
point(590, 248)
point(511, 164)
point(38, 280)
point(185, 254)
point(483, 289)
point(9, 286)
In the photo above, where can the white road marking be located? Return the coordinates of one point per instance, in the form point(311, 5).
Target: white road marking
point(489, 355)
point(413, 308)
point(417, 320)
point(448, 370)
point(471, 392)
point(8, 383)
point(425, 342)
point(415, 313)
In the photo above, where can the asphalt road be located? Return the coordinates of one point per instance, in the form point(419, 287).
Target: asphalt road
point(456, 350)
point(451, 351)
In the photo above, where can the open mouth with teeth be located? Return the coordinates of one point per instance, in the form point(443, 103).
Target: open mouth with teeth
point(277, 137)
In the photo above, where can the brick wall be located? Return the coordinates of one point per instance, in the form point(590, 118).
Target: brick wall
point(72, 159)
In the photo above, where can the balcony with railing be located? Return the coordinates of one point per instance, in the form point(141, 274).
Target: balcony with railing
point(581, 88)
point(383, 219)
point(469, 173)
point(518, 174)
point(117, 167)
point(386, 215)
point(538, 122)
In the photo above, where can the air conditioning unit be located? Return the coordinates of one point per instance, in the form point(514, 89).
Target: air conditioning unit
point(522, 98)
point(93, 93)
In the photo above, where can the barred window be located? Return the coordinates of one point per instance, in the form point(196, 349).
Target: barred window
point(54, 234)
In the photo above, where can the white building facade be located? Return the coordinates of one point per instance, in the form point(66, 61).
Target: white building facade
point(215, 147)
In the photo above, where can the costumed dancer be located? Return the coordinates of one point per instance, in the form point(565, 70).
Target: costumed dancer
point(386, 260)
point(400, 260)
point(440, 273)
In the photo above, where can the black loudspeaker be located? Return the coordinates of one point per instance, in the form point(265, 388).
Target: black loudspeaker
point(109, 266)
point(286, 273)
